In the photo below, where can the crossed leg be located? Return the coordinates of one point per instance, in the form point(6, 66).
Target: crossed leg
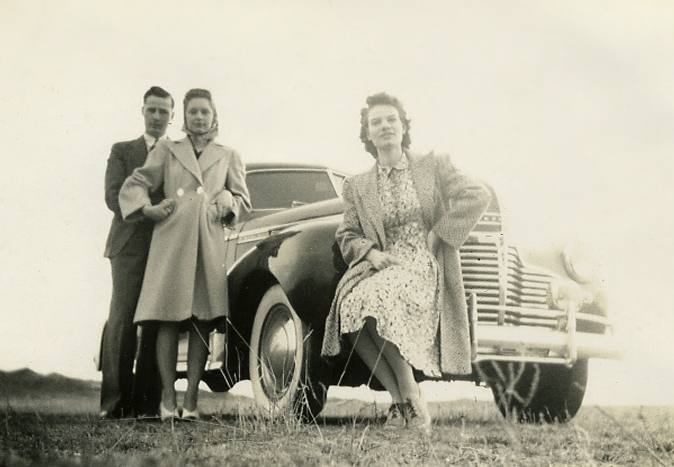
point(385, 361)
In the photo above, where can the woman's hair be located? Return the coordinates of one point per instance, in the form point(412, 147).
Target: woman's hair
point(195, 94)
point(383, 99)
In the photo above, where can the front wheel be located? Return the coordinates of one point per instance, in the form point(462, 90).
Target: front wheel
point(533, 392)
point(284, 360)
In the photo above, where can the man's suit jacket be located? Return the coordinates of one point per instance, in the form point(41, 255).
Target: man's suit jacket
point(124, 158)
point(451, 203)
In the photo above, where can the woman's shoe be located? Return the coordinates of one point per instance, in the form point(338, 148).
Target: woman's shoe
point(417, 415)
point(190, 415)
point(166, 415)
point(395, 417)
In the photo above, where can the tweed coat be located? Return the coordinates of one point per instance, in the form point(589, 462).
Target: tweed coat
point(452, 204)
point(186, 273)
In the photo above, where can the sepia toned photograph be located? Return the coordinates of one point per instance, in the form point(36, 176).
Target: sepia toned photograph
point(312, 233)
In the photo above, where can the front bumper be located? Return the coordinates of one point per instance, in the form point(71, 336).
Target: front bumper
point(540, 344)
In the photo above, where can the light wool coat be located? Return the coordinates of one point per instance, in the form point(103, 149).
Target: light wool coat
point(186, 273)
point(452, 204)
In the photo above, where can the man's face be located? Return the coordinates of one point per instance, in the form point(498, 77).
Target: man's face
point(157, 112)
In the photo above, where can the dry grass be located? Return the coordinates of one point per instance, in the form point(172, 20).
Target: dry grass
point(48, 429)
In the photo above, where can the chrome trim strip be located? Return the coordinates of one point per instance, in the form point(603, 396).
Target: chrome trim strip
point(243, 236)
point(239, 260)
point(486, 357)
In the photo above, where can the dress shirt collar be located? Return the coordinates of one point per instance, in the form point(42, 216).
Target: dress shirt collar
point(402, 164)
point(150, 141)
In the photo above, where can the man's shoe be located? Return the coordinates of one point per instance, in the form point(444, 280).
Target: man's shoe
point(116, 414)
point(147, 416)
point(108, 415)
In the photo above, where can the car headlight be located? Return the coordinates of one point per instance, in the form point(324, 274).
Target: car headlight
point(579, 263)
point(561, 293)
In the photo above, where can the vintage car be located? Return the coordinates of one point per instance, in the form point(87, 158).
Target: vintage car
point(536, 316)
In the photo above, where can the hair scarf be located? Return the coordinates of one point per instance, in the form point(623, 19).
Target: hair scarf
point(210, 134)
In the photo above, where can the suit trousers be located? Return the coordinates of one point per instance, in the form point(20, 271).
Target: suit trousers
point(122, 393)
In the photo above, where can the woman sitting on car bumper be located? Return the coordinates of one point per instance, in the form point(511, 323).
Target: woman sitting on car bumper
point(401, 304)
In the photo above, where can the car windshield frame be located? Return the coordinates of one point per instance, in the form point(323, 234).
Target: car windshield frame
point(275, 199)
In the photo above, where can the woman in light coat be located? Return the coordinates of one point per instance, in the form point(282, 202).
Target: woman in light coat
point(185, 284)
point(402, 303)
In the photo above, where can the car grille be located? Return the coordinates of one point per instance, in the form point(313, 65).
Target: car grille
point(508, 292)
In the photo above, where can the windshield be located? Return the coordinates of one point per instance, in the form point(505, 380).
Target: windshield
point(285, 189)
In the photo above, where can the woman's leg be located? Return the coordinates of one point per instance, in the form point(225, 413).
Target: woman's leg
point(401, 369)
point(416, 408)
point(372, 356)
point(197, 353)
point(167, 357)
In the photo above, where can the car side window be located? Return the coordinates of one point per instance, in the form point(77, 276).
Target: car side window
point(285, 189)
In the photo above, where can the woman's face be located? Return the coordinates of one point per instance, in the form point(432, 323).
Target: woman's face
point(384, 127)
point(199, 115)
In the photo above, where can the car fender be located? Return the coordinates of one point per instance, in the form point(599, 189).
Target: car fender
point(303, 259)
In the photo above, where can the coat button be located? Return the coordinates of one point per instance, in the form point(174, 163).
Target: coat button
point(180, 192)
point(200, 190)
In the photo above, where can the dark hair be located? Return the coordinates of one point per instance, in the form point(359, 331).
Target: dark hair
point(383, 99)
point(158, 92)
point(195, 94)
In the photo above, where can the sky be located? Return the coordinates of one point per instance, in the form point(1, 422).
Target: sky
point(565, 107)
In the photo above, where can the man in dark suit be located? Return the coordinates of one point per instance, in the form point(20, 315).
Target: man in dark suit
point(124, 394)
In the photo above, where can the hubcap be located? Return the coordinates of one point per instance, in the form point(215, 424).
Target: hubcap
point(278, 346)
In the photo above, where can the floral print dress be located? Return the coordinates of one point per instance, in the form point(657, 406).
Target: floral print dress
point(401, 298)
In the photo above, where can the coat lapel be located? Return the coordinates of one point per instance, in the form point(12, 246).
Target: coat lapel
point(369, 193)
point(423, 175)
point(183, 151)
point(212, 154)
point(139, 154)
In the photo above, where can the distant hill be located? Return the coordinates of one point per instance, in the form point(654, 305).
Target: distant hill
point(20, 382)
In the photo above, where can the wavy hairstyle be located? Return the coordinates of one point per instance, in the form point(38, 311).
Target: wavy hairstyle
point(383, 99)
point(158, 92)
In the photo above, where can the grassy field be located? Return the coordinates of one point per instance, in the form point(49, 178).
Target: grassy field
point(52, 421)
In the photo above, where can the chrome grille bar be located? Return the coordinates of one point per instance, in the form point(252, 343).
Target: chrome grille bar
point(518, 297)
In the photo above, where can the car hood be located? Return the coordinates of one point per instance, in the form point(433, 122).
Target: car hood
point(307, 212)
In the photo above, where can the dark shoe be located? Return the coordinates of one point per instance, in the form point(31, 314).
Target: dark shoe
point(395, 418)
point(147, 416)
point(417, 415)
point(108, 415)
point(116, 414)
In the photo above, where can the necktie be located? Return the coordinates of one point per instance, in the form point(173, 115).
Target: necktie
point(153, 145)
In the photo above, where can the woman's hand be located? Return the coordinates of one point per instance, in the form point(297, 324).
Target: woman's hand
point(161, 211)
point(381, 260)
point(224, 202)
